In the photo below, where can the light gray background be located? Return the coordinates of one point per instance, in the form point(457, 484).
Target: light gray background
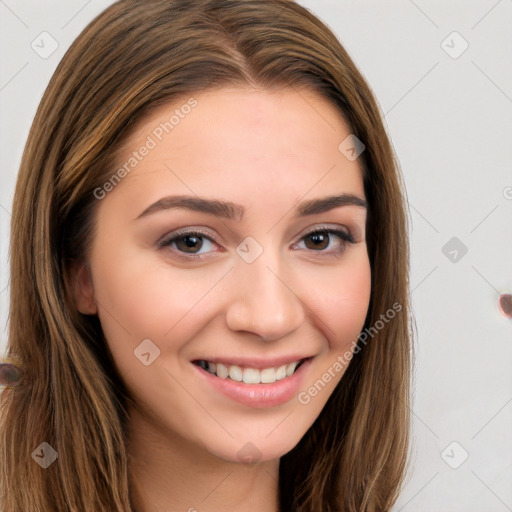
point(450, 120)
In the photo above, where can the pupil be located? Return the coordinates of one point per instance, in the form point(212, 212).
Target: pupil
point(189, 242)
point(320, 240)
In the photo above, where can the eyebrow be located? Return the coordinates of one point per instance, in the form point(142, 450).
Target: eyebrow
point(233, 211)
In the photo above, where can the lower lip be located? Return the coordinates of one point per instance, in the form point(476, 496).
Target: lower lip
point(258, 395)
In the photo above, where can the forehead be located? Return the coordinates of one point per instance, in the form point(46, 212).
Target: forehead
point(285, 141)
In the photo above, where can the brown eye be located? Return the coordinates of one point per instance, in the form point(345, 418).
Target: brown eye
point(327, 241)
point(319, 240)
point(189, 243)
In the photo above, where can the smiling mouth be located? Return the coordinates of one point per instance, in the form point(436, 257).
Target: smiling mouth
point(250, 375)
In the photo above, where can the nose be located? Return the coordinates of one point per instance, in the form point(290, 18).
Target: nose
point(264, 301)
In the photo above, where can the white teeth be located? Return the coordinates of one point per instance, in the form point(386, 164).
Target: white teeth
point(281, 372)
point(250, 375)
point(268, 375)
point(222, 371)
point(235, 373)
point(291, 368)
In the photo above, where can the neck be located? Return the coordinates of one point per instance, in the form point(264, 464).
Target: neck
point(171, 474)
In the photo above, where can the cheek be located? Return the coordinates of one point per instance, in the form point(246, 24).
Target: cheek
point(339, 305)
point(140, 299)
point(340, 301)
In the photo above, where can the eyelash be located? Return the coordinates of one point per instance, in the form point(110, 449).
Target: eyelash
point(346, 238)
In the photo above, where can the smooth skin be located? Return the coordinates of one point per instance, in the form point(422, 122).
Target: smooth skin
point(304, 294)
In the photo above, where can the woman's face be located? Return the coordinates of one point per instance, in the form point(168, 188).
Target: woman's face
point(218, 250)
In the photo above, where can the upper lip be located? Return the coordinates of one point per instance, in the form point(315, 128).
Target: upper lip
point(254, 362)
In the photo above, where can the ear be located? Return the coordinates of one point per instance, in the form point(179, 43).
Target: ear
point(82, 289)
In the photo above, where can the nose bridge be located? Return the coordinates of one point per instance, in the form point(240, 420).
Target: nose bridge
point(263, 300)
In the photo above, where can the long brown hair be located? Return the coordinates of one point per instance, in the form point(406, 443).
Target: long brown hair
point(132, 57)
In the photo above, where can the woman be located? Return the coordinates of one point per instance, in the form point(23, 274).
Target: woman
point(211, 301)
